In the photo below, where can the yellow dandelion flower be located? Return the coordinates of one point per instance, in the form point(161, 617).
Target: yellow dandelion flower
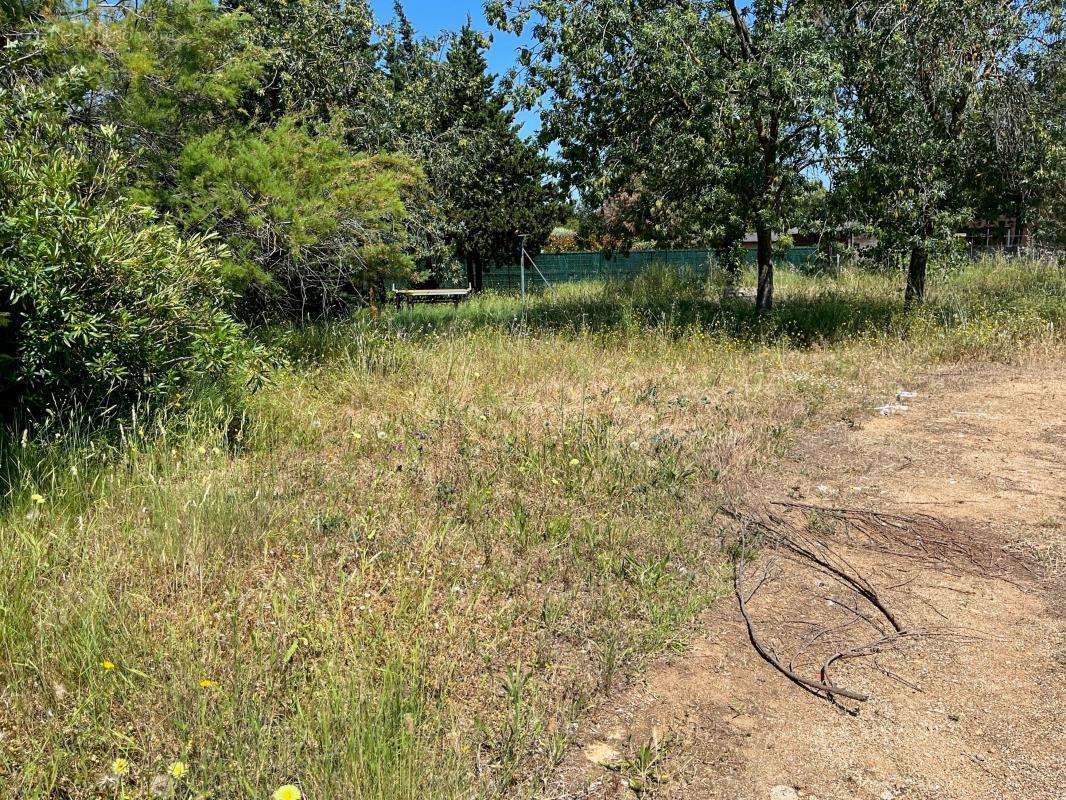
point(120, 766)
point(177, 770)
point(207, 683)
point(108, 665)
point(37, 499)
point(574, 462)
point(287, 792)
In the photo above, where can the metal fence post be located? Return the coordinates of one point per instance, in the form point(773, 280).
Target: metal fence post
point(522, 263)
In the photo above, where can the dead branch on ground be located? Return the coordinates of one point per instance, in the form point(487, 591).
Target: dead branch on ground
point(785, 537)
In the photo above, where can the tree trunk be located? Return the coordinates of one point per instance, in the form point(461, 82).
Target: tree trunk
point(10, 323)
point(916, 274)
point(764, 299)
point(475, 272)
point(479, 274)
point(1020, 221)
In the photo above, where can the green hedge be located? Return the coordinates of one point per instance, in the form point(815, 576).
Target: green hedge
point(104, 307)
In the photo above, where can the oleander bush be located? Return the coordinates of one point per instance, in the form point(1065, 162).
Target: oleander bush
point(105, 306)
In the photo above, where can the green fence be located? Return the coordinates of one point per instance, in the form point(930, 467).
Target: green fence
point(572, 267)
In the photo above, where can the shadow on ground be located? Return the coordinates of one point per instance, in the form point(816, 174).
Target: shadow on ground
point(799, 321)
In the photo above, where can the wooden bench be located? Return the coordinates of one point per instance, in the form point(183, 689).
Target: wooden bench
point(412, 296)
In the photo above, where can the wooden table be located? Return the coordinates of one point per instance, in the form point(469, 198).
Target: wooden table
point(412, 296)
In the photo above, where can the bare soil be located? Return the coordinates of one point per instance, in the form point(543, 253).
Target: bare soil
point(970, 704)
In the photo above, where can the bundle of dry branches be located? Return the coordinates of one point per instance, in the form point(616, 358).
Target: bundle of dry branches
point(775, 529)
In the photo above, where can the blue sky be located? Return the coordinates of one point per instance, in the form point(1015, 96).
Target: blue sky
point(430, 17)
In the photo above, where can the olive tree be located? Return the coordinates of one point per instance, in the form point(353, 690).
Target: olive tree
point(690, 121)
point(916, 77)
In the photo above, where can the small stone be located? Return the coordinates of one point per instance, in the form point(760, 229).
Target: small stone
point(602, 754)
point(783, 792)
point(160, 786)
point(892, 408)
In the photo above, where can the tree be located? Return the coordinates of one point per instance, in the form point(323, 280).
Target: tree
point(322, 61)
point(411, 67)
point(1019, 164)
point(16, 13)
point(491, 183)
point(689, 121)
point(307, 221)
point(171, 73)
point(106, 306)
point(182, 86)
point(916, 75)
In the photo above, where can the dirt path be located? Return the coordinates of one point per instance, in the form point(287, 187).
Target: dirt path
point(973, 707)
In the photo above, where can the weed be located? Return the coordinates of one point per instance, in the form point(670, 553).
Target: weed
point(642, 769)
point(331, 588)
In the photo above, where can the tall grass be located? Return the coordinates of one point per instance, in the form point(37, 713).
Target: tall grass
point(435, 538)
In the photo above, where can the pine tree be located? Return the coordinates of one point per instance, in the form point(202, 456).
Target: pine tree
point(492, 183)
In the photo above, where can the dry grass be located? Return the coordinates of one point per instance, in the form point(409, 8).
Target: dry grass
point(433, 541)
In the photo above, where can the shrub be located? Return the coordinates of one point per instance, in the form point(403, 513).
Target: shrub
point(561, 240)
point(308, 221)
point(105, 307)
point(659, 285)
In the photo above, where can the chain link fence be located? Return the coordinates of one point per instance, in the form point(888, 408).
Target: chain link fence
point(554, 268)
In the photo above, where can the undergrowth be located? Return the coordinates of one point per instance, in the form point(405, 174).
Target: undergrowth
point(435, 539)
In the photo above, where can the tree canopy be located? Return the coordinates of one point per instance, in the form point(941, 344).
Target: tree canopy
point(919, 84)
point(696, 121)
point(684, 122)
point(286, 159)
point(680, 122)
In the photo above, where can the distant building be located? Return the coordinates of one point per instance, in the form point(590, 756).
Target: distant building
point(1001, 234)
point(847, 235)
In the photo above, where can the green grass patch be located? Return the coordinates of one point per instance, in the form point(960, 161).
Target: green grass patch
point(435, 538)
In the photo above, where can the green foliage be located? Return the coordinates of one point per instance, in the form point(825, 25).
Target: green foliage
point(16, 12)
point(487, 183)
point(490, 183)
point(1019, 141)
point(298, 132)
point(686, 123)
point(320, 60)
point(912, 83)
point(920, 81)
point(197, 95)
point(107, 307)
point(661, 285)
point(307, 220)
point(184, 63)
point(331, 155)
point(174, 70)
